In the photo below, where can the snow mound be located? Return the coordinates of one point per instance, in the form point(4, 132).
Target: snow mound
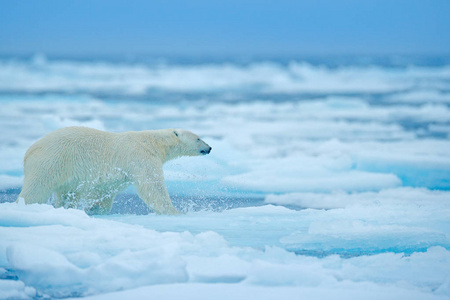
point(68, 254)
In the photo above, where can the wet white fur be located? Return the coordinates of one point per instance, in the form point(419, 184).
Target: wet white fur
point(80, 164)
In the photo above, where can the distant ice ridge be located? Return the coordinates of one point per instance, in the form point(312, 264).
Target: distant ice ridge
point(60, 253)
point(43, 75)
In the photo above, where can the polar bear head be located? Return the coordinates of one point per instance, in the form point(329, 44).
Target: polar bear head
point(189, 144)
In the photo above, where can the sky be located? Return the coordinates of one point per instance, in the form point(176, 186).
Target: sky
point(199, 27)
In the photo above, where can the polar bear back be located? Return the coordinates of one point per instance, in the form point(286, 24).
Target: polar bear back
point(77, 151)
point(85, 160)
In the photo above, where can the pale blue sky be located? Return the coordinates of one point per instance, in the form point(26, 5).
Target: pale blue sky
point(225, 27)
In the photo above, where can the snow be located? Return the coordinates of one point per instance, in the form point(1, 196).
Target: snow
point(223, 291)
point(8, 182)
point(322, 182)
point(63, 253)
point(422, 96)
point(15, 289)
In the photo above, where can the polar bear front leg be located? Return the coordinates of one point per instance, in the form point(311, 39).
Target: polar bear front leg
point(152, 190)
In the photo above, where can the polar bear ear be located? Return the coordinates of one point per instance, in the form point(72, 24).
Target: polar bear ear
point(176, 133)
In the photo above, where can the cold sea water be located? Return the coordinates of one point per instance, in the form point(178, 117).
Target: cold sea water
point(328, 175)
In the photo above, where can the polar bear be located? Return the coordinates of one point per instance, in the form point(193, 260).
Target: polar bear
point(88, 167)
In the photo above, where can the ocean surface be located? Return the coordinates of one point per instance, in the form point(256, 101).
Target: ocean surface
point(328, 176)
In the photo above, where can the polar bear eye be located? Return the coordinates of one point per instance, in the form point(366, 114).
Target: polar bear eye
point(175, 133)
point(198, 140)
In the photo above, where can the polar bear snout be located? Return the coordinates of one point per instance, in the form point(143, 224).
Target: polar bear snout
point(203, 147)
point(206, 151)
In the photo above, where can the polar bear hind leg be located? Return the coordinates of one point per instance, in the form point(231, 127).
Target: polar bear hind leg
point(101, 206)
point(101, 197)
point(94, 201)
point(35, 190)
point(67, 199)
